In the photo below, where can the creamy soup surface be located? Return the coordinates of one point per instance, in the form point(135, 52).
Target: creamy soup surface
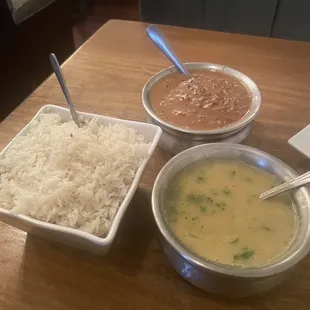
point(213, 208)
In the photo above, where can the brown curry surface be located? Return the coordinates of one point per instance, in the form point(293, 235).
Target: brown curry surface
point(209, 100)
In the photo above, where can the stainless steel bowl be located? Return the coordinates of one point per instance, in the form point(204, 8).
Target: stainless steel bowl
point(176, 144)
point(218, 278)
point(190, 137)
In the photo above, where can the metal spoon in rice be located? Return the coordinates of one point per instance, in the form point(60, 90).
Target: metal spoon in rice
point(63, 85)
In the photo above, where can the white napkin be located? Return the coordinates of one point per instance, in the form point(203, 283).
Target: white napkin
point(301, 141)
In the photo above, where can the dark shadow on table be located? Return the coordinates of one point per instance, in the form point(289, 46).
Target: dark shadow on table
point(134, 236)
point(62, 272)
point(264, 136)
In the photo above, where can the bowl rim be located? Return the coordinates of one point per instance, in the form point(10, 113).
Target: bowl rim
point(211, 266)
point(249, 83)
point(93, 239)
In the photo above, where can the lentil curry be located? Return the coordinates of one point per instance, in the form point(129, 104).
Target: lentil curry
point(209, 100)
point(213, 208)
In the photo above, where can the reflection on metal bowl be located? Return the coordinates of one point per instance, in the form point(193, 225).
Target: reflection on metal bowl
point(176, 143)
point(228, 280)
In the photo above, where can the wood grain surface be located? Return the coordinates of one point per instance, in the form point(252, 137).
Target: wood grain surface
point(106, 76)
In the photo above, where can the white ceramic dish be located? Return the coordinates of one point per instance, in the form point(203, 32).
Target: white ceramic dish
point(301, 141)
point(71, 236)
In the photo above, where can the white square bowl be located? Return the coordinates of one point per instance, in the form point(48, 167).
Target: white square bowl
point(70, 236)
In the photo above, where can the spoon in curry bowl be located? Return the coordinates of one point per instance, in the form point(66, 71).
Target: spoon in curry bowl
point(294, 183)
point(160, 41)
point(63, 85)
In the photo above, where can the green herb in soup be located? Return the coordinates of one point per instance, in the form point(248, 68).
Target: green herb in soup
point(214, 210)
point(244, 254)
point(234, 241)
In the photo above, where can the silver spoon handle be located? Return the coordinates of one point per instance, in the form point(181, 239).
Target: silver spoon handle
point(297, 182)
point(160, 41)
point(63, 85)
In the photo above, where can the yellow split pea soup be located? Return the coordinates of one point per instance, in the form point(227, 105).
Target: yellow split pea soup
point(213, 208)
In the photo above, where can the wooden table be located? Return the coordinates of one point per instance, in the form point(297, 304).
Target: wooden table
point(106, 76)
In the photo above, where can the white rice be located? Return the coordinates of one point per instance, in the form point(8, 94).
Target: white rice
point(70, 176)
